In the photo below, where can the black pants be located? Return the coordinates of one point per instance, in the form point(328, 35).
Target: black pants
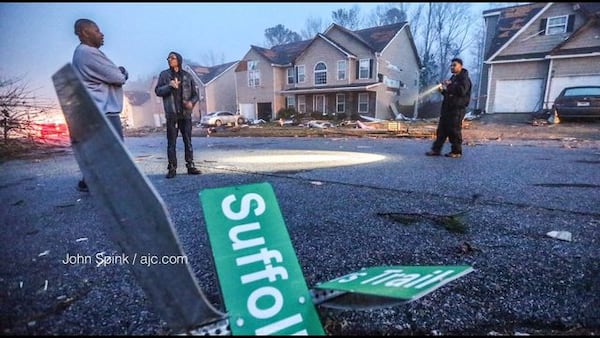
point(174, 126)
point(450, 127)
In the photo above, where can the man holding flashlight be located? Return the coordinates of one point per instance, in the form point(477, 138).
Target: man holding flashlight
point(457, 95)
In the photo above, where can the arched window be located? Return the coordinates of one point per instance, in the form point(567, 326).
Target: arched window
point(320, 73)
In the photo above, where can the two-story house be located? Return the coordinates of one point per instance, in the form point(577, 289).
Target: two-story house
point(533, 51)
point(216, 87)
point(340, 72)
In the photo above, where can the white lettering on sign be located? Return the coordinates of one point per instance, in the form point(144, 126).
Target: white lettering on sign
point(396, 278)
point(240, 239)
point(245, 208)
point(269, 312)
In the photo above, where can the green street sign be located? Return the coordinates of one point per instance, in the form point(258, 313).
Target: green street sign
point(404, 282)
point(261, 281)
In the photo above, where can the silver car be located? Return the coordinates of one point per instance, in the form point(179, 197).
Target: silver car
point(222, 117)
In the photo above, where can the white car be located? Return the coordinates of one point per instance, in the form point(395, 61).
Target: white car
point(222, 117)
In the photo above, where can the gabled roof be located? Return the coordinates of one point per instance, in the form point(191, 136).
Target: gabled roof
point(379, 37)
point(511, 20)
point(283, 54)
point(136, 97)
point(207, 74)
point(375, 38)
point(330, 42)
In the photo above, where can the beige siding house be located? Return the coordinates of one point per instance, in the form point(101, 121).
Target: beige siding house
point(533, 51)
point(340, 73)
point(142, 109)
point(216, 86)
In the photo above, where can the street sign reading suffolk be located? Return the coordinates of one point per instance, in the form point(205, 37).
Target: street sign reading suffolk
point(261, 281)
point(404, 282)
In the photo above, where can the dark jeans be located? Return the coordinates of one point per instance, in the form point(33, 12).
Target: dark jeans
point(450, 127)
point(174, 126)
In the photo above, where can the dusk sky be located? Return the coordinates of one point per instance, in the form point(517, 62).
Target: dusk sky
point(37, 39)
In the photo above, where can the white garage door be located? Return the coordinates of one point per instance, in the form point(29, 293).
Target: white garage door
point(560, 82)
point(248, 110)
point(518, 96)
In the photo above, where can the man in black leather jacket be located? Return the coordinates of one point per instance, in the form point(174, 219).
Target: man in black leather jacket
point(179, 93)
point(457, 95)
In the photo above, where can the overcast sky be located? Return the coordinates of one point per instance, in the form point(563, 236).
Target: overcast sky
point(37, 39)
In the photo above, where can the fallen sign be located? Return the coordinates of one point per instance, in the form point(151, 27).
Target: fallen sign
point(407, 283)
point(262, 283)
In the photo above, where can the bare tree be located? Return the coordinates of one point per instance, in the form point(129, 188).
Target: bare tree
point(422, 28)
point(451, 22)
point(312, 26)
point(18, 108)
point(348, 18)
point(386, 14)
point(210, 58)
point(279, 35)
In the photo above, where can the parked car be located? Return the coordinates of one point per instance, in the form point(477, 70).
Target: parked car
point(580, 101)
point(222, 117)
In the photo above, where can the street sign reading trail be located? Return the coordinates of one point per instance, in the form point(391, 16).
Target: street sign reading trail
point(141, 225)
point(261, 281)
point(405, 282)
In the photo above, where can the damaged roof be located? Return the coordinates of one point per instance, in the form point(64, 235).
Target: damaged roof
point(510, 21)
point(207, 74)
point(283, 54)
point(379, 37)
point(136, 97)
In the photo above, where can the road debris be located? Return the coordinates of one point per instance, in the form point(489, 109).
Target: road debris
point(43, 253)
point(562, 235)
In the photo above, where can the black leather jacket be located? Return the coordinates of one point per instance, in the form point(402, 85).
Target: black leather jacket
point(164, 90)
point(457, 95)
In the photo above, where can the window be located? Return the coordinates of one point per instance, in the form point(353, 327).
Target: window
point(253, 74)
point(364, 69)
point(340, 103)
point(320, 73)
point(341, 70)
point(301, 104)
point(556, 25)
point(290, 101)
point(300, 73)
point(363, 102)
point(290, 75)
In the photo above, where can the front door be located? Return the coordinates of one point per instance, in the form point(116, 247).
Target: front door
point(320, 104)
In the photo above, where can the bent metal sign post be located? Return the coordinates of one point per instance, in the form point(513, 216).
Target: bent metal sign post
point(261, 281)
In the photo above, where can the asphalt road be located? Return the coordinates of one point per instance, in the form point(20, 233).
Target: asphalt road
point(338, 197)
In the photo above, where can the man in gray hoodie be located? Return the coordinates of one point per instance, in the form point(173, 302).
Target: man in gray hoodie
point(179, 93)
point(101, 77)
